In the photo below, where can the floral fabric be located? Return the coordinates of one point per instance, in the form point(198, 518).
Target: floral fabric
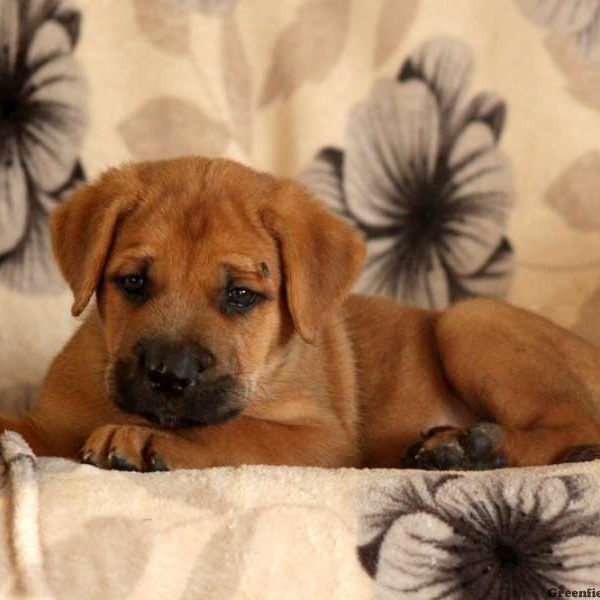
point(505, 536)
point(470, 165)
point(42, 120)
point(422, 177)
point(266, 533)
point(461, 138)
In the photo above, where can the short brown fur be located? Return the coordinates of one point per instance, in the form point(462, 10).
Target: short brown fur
point(329, 379)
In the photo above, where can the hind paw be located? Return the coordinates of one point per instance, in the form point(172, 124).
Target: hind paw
point(450, 448)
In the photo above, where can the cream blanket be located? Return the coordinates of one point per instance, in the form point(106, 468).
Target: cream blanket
point(75, 532)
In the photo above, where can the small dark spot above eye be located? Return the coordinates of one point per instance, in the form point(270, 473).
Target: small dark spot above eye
point(264, 270)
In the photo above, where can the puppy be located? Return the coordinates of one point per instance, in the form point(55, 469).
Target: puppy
point(223, 333)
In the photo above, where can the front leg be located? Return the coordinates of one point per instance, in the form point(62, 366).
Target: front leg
point(242, 441)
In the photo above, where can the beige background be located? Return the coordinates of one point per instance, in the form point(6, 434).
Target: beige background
point(137, 51)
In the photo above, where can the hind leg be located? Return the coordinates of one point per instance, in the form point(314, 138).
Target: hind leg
point(537, 382)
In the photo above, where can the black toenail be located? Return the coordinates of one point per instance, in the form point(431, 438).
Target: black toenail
point(426, 460)
point(119, 463)
point(155, 463)
point(87, 458)
point(499, 462)
point(414, 449)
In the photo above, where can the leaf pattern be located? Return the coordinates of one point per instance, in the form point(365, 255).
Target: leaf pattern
point(168, 126)
point(209, 7)
point(237, 81)
point(307, 49)
point(394, 21)
point(130, 548)
point(583, 81)
point(575, 193)
point(165, 24)
point(217, 557)
point(563, 16)
point(577, 18)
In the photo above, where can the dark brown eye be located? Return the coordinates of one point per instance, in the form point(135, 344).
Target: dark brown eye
point(240, 299)
point(133, 285)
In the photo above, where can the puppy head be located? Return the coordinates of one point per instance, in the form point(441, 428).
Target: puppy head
point(203, 272)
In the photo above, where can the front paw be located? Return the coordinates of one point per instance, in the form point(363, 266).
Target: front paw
point(124, 448)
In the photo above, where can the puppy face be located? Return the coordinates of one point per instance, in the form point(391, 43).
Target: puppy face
point(204, 271)
point(191, 300)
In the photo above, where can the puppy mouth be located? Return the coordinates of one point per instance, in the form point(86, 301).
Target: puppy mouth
point(213, 403)
point(166, 419)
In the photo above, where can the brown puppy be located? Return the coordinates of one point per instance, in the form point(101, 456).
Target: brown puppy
point(223, 335)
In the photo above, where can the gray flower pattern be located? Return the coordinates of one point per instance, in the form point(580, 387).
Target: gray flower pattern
point(488, 539)
point(42, 121)
point(423, 178)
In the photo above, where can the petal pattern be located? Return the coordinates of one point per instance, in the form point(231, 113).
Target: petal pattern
point(417, 541)
point(323, 176)
point(393, 269)
point(422, 177)
point(53, 133)
point(392, 144)
point(64, 12)
point(30, 267)
point(446, 65)
point(489, 109)
point(42, 125)
point(480, 200)
point(493, 278)
point(14, 212)
point(450, 536)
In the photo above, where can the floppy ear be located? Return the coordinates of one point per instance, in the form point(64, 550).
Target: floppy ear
point(82, 231)
point(322, 256)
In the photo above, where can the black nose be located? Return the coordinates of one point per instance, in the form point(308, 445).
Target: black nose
point(170, 367)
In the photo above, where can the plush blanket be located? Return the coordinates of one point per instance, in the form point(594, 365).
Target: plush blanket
point(72, 531)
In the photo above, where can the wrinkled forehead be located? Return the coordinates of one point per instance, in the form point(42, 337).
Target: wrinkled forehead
point(195, 221)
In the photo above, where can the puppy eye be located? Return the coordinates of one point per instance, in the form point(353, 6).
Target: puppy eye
point(133, 285)
point(240, 299)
